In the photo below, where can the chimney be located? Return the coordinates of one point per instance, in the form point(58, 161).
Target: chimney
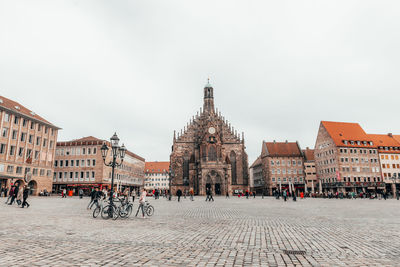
point(286, 141)
point(390, 134)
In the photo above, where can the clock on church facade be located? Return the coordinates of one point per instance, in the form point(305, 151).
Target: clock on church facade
point(209, 153)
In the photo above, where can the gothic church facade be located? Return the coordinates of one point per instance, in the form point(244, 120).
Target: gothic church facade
point(209, 153)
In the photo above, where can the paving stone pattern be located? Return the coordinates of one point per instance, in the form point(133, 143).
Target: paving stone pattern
point(227, 232)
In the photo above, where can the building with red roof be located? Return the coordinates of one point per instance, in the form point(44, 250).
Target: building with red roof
point(156, 175)
point(27, 147)
point(347, 158)
point(79, 165)
point(282, 167)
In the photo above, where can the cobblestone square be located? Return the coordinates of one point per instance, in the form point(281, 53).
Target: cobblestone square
point(227, 232)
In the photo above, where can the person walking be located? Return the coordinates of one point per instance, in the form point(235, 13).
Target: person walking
point(207, 194)
point(96, 196)
point(179, 194)
point(191, 192)
point(14, 195)
point(247, 194)
point(80, 192)
point(92, 196)
point(210, 196)
point(294, 196)
point(19, 195)
point(25, 195)
point(64, 193)
point(254, 194)
point(10, 193)
point(284, 195)
point(142, 201)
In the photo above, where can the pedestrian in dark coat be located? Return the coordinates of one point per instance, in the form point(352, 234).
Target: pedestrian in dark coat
point(25, 195)
point(179, 194)
point(14, 195)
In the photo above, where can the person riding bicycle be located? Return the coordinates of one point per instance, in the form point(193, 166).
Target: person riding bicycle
point(142, 201)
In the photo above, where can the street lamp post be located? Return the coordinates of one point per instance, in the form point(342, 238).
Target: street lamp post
point(117, 152)
point(394, 188)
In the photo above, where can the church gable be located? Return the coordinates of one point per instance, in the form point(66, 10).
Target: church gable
point(209, 143)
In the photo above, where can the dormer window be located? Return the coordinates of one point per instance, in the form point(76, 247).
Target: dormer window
point(17, 108)
point(365, 143)
point(352, 142)
point(371, 143)
point(358, 143)
point(33, 113)
point(345, 142)
point(1, 101)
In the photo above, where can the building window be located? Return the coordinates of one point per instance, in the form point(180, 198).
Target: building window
point(21, 152)
point(30, 140)
point(12, 150)
point(61, 163)
point(16, 120)
point(32, 125)
point(10, 169)
point(83, 151)
point(6, 117)
point(4, 132)
point(14, 134)
point(23, 137)
point(77, 163)
point(38, 141)
point(2, 148)
point(36, 154)
point(88, 163)
point(93, 162)
point(232, 158)
point(19, 170)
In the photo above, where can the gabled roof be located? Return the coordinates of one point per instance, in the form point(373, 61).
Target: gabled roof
point(87, 139)
point(16, 107)
point(346, 131)
point(156, 167)
point(283, 149)
point(256, 162)
point(309, 154)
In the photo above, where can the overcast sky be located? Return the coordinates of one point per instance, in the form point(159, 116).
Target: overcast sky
point(139, 67)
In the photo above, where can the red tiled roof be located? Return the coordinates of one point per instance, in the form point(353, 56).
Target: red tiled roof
point(397, 137)
point(385, 140)
point(87, 139)
point(341, 131)
point(283, 149)
point(18, 108)
point(156, 166)
point(309, 154)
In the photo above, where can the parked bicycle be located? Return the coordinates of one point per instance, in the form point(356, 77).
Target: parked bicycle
point(147, 208)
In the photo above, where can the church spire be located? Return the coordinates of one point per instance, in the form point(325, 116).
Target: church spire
point(208, 105)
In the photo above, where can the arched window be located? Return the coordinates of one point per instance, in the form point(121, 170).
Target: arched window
point(232, 158)
point(186, 169)
point(212, 153)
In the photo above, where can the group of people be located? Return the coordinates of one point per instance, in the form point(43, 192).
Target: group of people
point(18, 194)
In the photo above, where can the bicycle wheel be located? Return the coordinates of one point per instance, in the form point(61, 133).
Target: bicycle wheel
point(150, 210)
point(129, 210)
point(96, 212)
point(104, 212)
point(115, 212)
point(123, 212)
